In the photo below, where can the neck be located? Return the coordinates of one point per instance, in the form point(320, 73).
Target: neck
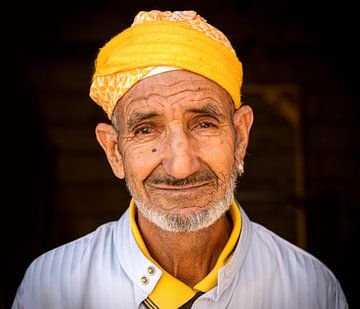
point(189, 257)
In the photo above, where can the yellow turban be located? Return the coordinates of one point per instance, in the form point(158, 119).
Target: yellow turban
point(180, 39)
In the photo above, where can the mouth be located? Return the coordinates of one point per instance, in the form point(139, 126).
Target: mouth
point(179, 189)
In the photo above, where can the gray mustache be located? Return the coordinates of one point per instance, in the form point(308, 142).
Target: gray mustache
point(194, 179)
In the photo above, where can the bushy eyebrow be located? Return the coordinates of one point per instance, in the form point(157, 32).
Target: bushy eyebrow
point(137, 117)
point(208, 109)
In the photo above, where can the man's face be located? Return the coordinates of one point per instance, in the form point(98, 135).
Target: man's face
point(177, 143)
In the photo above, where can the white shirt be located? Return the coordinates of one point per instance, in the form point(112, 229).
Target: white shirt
point(105, 269)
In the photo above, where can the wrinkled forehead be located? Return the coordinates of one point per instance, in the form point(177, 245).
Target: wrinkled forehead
point(173, 87)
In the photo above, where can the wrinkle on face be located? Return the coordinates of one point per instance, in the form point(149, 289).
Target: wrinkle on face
point(187, 119)
point(173, 119)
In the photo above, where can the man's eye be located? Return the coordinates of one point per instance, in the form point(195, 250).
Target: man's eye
point(144, 130)
point(206, 125)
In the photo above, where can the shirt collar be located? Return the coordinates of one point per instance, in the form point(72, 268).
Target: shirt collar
point(169, 291)
point(228, 273)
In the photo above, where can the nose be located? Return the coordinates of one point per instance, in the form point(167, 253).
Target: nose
point(180, 160)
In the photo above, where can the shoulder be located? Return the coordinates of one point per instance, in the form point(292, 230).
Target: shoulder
point(63, 274)
point(289, 269)
point(284, 253)
point(75, 251)
point(71, 256)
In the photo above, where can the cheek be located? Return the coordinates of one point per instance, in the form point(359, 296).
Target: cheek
point(139, 162)
point(219, 155)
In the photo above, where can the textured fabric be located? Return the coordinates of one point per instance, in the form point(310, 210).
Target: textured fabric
point(180, 39)
point(171, 292)
point(105, 269)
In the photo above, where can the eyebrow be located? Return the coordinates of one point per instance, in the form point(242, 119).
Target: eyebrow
point(208, 109)
point(137, 117)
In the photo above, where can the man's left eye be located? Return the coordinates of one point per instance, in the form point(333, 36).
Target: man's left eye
point(205, 125)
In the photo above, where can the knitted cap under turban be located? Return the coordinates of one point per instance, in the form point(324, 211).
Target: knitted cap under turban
point(168, 40)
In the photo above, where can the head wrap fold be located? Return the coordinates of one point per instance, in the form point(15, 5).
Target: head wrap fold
point(180, 39)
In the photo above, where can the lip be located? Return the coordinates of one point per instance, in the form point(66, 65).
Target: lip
point(183, 189)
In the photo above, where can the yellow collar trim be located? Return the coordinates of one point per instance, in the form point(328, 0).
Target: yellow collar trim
point(171, 292)
point(210, 281)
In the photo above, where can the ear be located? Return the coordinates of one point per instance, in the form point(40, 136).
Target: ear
point(243, 119)
point(107, 138)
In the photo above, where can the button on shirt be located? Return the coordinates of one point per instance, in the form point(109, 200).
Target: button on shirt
point(107, 269)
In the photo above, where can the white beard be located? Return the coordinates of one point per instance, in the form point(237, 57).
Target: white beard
point(197, 220)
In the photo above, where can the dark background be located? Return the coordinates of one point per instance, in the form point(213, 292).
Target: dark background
point(58, 185)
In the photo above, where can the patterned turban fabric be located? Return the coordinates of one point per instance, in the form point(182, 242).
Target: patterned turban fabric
point(159, 41)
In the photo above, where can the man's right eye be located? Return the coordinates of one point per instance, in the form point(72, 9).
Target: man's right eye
point(143, 130)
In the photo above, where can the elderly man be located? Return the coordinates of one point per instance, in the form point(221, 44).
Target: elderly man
point(171, 86)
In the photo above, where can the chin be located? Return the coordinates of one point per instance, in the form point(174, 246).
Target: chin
point(184, 218)
point(183, 202)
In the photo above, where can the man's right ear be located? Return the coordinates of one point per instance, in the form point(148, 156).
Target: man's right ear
point(107, 138)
